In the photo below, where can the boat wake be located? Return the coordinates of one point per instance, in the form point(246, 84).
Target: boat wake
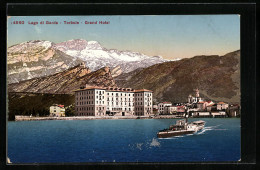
point(149, 144)
point(155, 142)
point(209, 128)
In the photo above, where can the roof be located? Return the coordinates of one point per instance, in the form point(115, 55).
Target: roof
point(199, 121)
point(116, 89)
point(201, 102)
point(119, 89)
point(167, 103)
point(211, 105)
point(90, 88)
point(221, 103)
point(60, 105)
point(143, 90)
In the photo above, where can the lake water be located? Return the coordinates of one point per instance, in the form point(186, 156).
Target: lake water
point(57, 141)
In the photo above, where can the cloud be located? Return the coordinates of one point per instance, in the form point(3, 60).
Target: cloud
point(37, 29)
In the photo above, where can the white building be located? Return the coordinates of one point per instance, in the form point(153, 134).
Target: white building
point(195, 99)
point(222, 106)
point(57, 110)
point(170, 109)
point(99, 101)
point(161, 107)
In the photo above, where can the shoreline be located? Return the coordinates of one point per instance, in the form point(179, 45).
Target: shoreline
point(28, 118)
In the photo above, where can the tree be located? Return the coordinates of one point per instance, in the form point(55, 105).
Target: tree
point(70, 111)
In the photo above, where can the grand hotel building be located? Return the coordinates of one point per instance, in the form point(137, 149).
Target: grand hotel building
point(98, 101)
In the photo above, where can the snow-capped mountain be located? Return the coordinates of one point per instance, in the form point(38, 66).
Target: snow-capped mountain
point(97, 56)
point(42, 58)
point(36, 59)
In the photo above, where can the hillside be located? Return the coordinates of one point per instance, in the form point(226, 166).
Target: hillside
point(217, 77)
point(66, 81)
point(30, 103)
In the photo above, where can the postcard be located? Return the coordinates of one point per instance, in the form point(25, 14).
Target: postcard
point(123, 89)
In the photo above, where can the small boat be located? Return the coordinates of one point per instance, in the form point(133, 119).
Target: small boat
point(182, 127)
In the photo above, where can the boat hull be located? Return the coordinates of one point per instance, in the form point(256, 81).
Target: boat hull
point(173, 133)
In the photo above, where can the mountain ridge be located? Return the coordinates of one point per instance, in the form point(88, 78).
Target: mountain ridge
point(217, 77)
point(66, 81)
point(38, 58)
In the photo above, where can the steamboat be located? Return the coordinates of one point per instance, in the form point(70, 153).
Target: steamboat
point(182, 127)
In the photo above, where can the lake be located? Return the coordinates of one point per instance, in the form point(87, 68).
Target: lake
point(124, 140)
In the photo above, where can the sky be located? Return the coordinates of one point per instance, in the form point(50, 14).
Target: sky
point(170, 36)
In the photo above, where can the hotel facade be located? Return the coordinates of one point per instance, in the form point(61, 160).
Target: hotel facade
point(99, 101)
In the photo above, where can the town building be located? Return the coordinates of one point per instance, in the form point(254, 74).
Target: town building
point(170, 110)
point(202, 105)
point(233, 110)
point(211, 107)
point(222, 106)
point(57, 110)
point(161, 106)
point(113, 101)
point(195, 99)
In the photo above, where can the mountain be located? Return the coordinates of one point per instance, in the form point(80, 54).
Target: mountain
point(97, 56)
point(35, 59)
point(66, 81)
point(217, 77)
point(42, 58)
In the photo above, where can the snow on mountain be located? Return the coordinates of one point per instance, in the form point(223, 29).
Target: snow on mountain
point(36, 59)
point(42, 58)
point(97, 56)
